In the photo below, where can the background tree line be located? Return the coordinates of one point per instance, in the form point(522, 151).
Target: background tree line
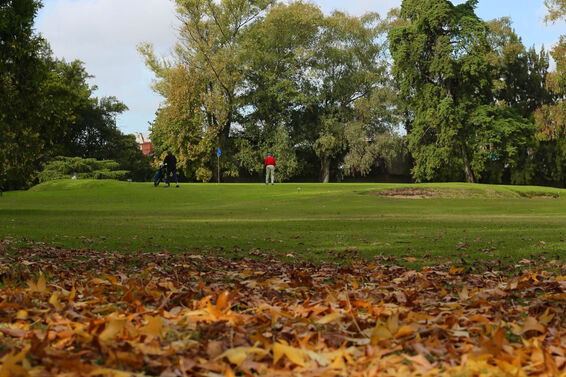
point(431, 87)
point(48, 109)
point(431, 90)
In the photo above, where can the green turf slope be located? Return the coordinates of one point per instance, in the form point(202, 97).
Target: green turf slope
point(429, 222)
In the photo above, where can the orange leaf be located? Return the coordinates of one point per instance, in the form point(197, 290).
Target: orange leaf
point(404, 331)
point(73, 292)
point(455, 270)
point(222, 301)
point(229, 372)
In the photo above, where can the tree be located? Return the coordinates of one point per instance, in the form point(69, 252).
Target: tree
point(372, 138)
point(556, 9)
point(47, 107)
point(210, 47)
point(75, 123)
point(550, 118)
point(350, 65)
point(519, 76)
point(249, 73)
point(278, 54)
point(83, 168)
point(21, 74)
point(444, 64)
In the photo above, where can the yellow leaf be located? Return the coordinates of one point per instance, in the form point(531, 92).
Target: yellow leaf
point(380, 333)
point(239, 354)
point(54, 300)
point(40, 286)
point(335, 316)
point(106, 372)
point(546, 317)
point(295, 355)
point(83, 335)
point(338, 363)
point(393, 323)
point(154, 326)
point(10, 367)
point(113, 328)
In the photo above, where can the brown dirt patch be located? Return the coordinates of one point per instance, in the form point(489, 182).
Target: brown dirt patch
point(429, 193)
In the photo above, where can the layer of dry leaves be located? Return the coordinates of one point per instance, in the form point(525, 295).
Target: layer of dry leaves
point(84, 313)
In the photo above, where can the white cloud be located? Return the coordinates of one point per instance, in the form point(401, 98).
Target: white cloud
point(358, 7)
point(104, 34)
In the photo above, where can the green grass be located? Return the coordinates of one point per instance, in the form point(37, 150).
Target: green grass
point(318, 222)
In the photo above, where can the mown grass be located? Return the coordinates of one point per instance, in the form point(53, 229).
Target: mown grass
point(313, 221)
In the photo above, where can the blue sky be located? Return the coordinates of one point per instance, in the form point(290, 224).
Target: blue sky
point(104, 34)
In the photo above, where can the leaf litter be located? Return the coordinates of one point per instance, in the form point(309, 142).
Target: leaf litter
point(88, 313)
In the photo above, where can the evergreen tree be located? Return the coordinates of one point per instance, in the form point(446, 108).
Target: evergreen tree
point(21, 74)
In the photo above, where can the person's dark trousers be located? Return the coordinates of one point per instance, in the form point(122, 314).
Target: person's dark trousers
point(174, 171)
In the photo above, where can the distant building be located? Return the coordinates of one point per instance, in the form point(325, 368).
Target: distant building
point(144, 142)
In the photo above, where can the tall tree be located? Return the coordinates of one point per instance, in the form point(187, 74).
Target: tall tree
point(210, 47)
point(350, 64)
point(441, 54)
point(551, 117)
point(21, 74)
point(519, 75)
point(76, 123)
point(278, 53)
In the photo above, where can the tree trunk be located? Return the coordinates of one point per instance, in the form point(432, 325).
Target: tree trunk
point(325, 168)
point(467, 168)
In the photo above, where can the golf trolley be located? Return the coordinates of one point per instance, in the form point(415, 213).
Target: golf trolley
point(160, 175)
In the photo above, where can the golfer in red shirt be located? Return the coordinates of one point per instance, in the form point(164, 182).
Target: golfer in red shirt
point(269, 168)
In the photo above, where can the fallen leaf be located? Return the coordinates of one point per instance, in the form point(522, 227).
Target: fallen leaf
point(295, 355)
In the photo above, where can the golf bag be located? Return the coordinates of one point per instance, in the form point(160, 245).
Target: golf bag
point(160, 174)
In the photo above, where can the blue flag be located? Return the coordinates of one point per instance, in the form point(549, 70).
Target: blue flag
point(218, 154)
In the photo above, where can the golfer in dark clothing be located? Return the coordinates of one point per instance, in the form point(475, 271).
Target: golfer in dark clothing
point(171, 163)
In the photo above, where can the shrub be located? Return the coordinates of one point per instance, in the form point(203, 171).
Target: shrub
point(85, 168)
